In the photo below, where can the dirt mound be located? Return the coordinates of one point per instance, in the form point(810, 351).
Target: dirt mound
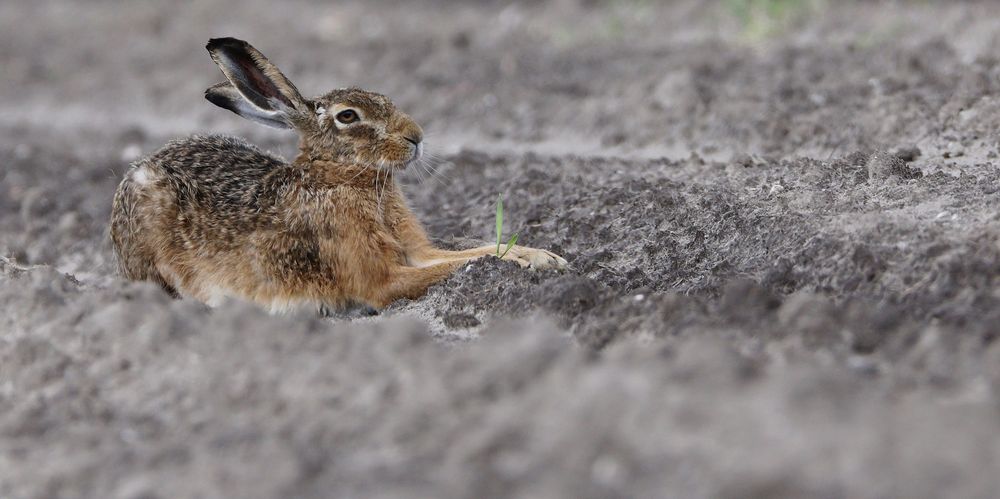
point(784, 258)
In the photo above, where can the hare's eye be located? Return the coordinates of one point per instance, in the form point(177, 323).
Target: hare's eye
point(347, 116)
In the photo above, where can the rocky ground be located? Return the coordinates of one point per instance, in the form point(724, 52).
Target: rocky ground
point(783, 236)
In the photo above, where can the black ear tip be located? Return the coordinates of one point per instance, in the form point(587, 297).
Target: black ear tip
point(217, 43)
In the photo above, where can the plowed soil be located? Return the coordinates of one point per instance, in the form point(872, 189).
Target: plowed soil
point(785, 253)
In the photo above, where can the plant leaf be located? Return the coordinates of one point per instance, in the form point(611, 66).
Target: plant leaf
point(499, 220)
point(510, 244)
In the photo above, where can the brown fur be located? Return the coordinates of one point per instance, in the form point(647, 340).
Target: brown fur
point(213, 216)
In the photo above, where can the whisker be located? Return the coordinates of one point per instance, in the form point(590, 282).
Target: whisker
point(425, 171)
point(432, 156)
point(378, 192)
point(378, 175)
point(365, 168)
point(356, 175)
point(421, 176)
point(437, 160)
point(385, 185)
point(437, 172)
point(381, 193)
point(433, 172)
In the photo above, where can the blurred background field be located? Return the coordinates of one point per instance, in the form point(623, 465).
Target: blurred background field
point(781, 217)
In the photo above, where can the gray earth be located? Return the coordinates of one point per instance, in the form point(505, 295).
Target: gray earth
point(784, 237)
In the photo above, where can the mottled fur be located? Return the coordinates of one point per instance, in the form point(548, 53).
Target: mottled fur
point(212, 216)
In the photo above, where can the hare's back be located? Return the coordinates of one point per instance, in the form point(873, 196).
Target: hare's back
point(205, 194)
point(216, 176)
point(216, 166)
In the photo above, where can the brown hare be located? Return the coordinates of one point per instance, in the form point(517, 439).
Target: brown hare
point(213, 217)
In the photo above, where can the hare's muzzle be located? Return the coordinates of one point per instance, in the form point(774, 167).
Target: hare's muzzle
point(416, 146)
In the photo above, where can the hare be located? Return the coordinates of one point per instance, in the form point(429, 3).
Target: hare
point(212, 217)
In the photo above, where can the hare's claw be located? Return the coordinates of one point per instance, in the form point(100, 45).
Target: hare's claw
point(350, 311)
point(535, 258)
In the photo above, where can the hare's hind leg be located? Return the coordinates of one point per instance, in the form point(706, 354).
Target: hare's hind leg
point(136, 261)
point(410, 282)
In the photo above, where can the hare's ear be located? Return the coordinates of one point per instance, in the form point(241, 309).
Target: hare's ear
point(258, 82)
point(225, 96)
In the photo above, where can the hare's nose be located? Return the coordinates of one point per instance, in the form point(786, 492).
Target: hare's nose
point(414, 139)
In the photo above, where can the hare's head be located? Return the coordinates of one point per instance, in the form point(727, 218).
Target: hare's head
point(347, 125)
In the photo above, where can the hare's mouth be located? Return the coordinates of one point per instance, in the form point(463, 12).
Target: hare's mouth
point(418, 152)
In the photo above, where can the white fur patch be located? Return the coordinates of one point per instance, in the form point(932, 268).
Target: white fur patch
point(321, 115)
point(284, 306)
point(214, 295)
point(140, 176)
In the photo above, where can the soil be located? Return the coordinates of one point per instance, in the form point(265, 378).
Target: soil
point(785, 256)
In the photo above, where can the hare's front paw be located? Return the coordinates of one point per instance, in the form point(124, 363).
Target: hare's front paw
point(535, 258)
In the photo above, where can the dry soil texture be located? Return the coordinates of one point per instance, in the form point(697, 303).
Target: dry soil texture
point(784, 248)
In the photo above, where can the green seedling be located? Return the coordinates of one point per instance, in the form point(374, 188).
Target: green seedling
point(764, 18)
point(513, 239)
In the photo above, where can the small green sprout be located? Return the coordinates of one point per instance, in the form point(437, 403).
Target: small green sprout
point(513, 239)
point(764, 18)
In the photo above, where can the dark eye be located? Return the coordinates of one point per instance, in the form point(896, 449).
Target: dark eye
point(347, 116)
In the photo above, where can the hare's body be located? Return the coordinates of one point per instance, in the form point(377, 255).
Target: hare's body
point(210, 216)
point(213, 217)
